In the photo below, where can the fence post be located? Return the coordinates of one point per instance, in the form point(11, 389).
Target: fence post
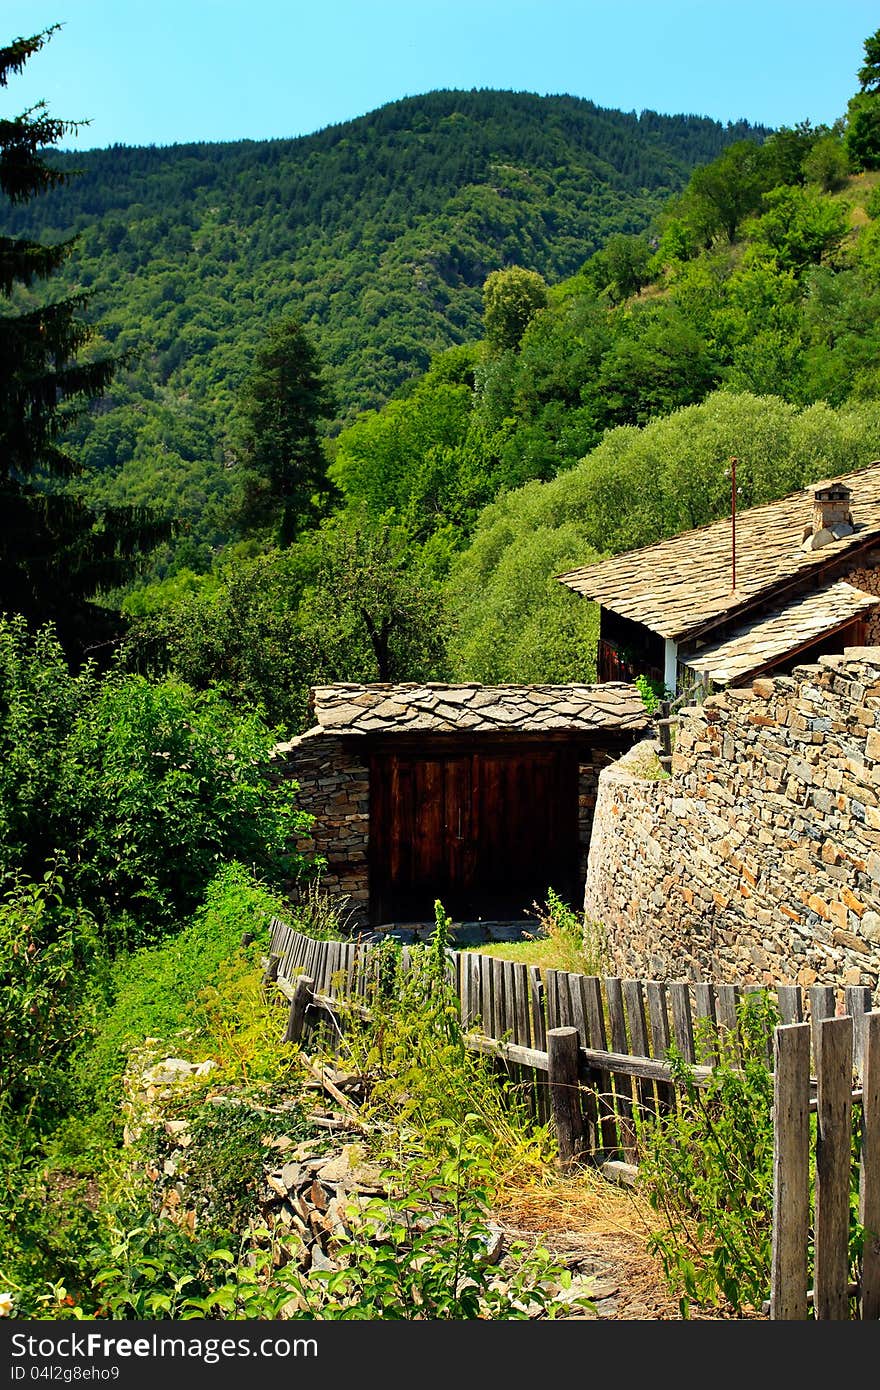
point(296, 1018)
point(791, 1171)
point(664, 725)
point(834, 1041)
point(869, 1177)
point(270, 974)
point(563, 1048)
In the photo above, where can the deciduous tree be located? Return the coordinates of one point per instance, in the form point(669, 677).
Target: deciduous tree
point(863, 111)
point(511, 298)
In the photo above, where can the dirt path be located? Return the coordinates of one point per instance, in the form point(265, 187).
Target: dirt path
point(599, 1232)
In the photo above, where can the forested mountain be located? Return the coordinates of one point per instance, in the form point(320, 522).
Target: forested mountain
point(377, 233)
point(396, 377)
point(593, 415)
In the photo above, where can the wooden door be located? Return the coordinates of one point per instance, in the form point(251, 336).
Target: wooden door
point(487, 832)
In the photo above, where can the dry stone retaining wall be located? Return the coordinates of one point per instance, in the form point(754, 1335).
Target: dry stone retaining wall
point(758, 859)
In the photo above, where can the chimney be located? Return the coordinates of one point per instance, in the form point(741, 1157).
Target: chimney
point(832, 518)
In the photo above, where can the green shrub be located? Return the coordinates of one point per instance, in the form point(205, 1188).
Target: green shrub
point(707, 1168)
point(164, 991)
point(163, 785)
point(39, 702)
point(132, 791)
point(48, 1224)
point(159, 1271)
point(46, 949)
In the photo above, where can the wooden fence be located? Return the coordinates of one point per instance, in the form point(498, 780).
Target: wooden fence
point(817, 1129)
point(591, 1054)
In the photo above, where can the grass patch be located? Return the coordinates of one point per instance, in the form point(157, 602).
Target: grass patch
point(562, 940)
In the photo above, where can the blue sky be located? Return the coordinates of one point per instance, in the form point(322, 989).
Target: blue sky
point(170, 71)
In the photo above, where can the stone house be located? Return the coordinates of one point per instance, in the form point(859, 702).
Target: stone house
point(479, 796)
point(744, 597)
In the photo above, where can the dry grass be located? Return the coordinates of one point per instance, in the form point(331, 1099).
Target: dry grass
point(583, 1202)
point(560, 940)
point(598, 1228)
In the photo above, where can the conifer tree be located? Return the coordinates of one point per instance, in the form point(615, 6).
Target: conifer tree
point(55, 554)
point(283, 482)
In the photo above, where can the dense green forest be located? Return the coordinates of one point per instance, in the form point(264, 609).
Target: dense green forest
point(596, 413)
point(377, 234)
point(341, 408)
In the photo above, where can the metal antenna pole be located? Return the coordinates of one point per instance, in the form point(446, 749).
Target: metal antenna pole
point(733, 523)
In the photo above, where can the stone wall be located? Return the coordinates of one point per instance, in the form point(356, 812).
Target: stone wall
point(758, 858)
point(588, 789)
point(334, 787)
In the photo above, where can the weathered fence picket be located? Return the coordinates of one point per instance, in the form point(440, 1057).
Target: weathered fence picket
point(834, 1069)
point(658, 1014)
point(634, 1003)
point(791, 1172)
point(727, 999)
point(682, 1021)
point(830, 1040)
point(869, 1175)
point(621, 1082)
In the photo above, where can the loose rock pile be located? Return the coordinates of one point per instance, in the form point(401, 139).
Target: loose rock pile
point(315, 1192)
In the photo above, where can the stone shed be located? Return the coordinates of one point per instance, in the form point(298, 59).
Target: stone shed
point(481, 796)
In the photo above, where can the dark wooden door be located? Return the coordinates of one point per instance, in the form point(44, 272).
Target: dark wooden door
point(487, 832)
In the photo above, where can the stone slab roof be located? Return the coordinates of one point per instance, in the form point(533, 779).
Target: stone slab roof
point(748, 649)
point(678, 585)
point(439, 709)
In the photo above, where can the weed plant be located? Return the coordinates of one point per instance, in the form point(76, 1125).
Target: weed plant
point(564, 940)
point(321, 915)
point(707, 1167)
point(422, 1073)
point(707, 1170)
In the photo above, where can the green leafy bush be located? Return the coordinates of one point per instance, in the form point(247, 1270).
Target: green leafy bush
point(46, 948)
point(163, 785)
point(39, 702)
point(424, 1251)
point(707, 1168)
point(133, 791)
